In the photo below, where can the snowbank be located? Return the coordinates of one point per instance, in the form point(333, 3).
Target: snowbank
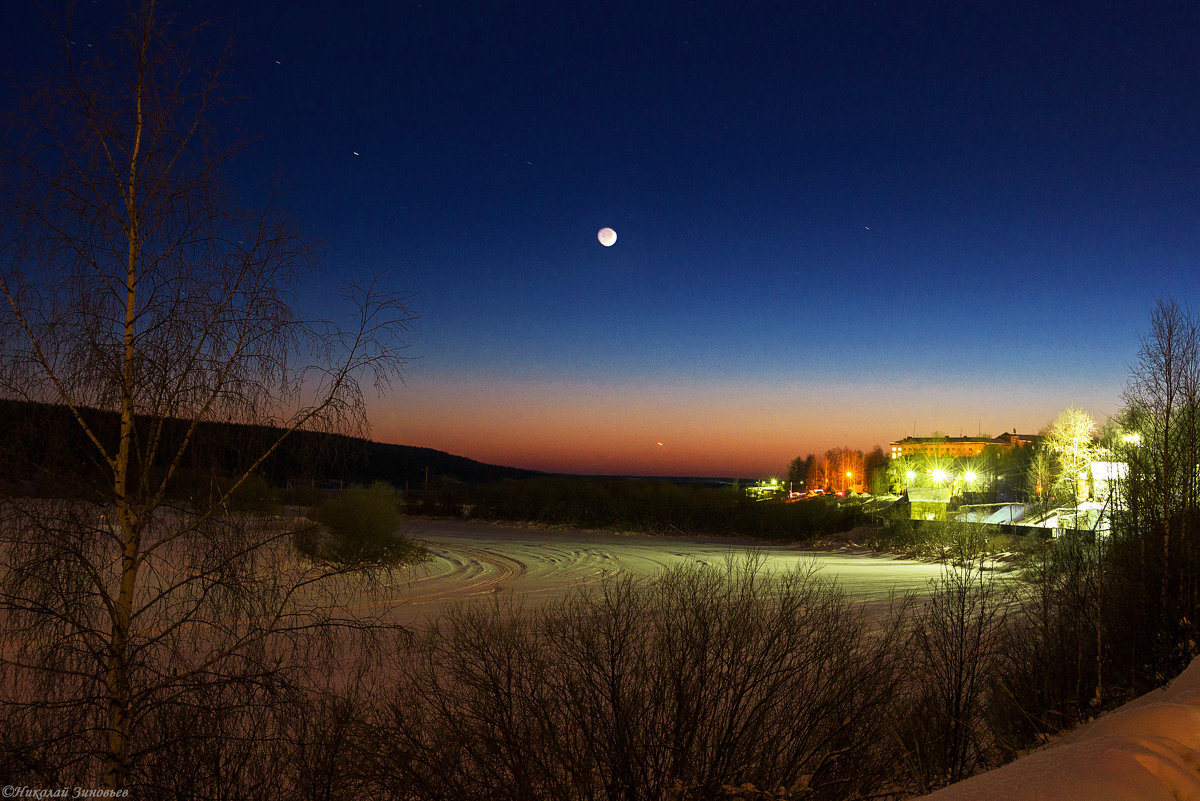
point(1146, 750)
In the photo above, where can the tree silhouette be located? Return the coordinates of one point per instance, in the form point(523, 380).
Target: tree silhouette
point(133, 284)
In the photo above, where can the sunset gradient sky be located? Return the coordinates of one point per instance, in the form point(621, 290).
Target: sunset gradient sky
point(839, 223)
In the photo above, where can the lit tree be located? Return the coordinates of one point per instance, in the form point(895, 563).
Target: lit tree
point(840, 469)
point(901, 472)
point(1072, 439)
point(1041, 475)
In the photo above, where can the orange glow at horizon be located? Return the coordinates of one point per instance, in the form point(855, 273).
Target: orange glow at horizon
point(707, 429)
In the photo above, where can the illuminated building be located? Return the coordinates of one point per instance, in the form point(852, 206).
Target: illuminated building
point(957, 447)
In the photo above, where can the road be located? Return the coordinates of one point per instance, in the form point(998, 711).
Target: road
point(478, 560)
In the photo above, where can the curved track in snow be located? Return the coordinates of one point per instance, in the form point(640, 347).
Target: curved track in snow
point(474, 560)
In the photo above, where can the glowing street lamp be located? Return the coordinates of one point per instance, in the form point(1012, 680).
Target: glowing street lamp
point(939, 475)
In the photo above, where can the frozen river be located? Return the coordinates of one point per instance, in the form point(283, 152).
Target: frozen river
point(477, 560)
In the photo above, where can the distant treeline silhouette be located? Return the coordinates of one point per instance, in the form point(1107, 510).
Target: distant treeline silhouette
point(43, 450)
point(655, 506)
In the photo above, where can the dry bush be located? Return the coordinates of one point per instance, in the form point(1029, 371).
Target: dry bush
point(682, 686)
point(1047, 674)
point(944, 728)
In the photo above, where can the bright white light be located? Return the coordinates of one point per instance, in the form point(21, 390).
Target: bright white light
point(939, 476)
point(969, 476)
point(607, 237)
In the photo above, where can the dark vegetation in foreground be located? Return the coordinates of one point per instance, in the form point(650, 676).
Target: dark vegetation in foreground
point(705, 682)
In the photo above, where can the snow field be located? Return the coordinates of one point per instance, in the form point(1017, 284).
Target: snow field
point(1146, 750)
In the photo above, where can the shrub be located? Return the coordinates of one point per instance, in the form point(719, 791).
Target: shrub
point(897, 534)
point(361, 525)
point(957, 543)
point(254, 495)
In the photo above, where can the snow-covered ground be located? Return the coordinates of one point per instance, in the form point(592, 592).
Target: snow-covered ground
point(472, 559)
point(1148, 749)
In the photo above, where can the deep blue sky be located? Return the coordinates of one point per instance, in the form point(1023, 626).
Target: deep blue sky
point(839, 223)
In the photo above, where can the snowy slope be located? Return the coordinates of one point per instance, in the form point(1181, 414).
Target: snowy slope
point(1146, 750)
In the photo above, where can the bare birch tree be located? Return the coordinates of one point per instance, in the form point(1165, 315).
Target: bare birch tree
point(133, 285)
point(1163, 410)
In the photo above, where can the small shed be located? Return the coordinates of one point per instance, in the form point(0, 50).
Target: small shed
point(928, 503)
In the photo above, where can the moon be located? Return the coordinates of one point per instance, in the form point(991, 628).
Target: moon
point(607, 237)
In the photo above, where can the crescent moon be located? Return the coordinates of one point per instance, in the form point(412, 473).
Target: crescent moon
point(607, 237)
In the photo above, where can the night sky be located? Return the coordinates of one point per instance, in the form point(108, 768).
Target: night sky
point(839, 223)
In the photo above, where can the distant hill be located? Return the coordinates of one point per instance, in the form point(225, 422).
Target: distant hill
point(40, 442)
point(399, 463)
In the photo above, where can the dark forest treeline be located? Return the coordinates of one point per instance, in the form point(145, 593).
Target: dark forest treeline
point(42, 447)
point(645, 505)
